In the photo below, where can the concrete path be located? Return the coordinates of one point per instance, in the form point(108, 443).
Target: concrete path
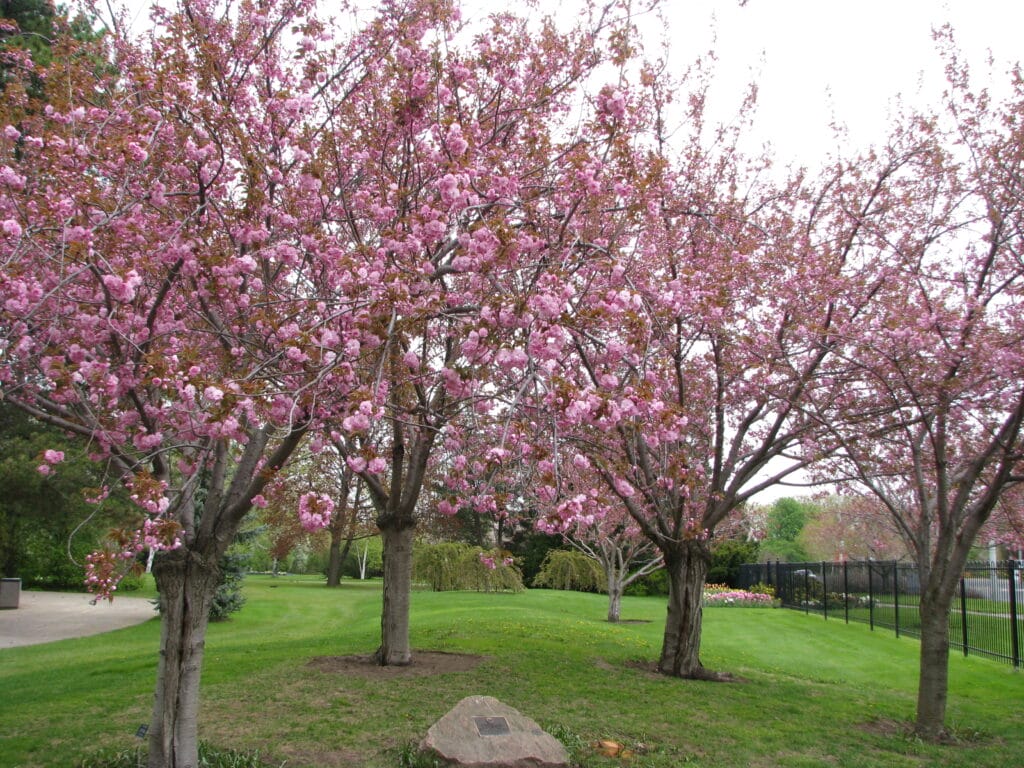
point(42, 617)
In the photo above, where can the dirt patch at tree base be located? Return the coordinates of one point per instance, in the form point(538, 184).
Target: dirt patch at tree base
point(707, 675)
point(424, 664)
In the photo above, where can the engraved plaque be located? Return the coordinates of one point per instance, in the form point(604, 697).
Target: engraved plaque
point(491, 726)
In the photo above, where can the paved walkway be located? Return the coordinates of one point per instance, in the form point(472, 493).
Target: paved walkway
point(42, 617)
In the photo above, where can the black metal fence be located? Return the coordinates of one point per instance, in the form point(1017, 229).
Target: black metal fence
point(986, 618)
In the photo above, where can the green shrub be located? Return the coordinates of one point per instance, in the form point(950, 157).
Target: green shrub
point(652, 585)
point(806, 590)
point(133, 582)
point(452, 566)
point(229, 597)
point(726, 558)
point(762, 589)
point(47, 526)
point(569, 569)
point(50, 559)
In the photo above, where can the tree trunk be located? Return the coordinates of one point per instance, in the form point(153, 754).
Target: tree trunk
point(687, 566)
point(348, 514)
point(933, 683)
point(187, 584)
point(397, 534)
point(336, 558)
point(615, 590)
point(362, 558)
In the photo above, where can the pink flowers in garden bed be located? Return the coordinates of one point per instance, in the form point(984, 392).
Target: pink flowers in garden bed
point(719, 595)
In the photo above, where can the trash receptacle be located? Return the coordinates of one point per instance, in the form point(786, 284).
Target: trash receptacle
point(10, 593)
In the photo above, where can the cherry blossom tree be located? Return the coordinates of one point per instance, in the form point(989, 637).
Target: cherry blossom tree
point(933, 430)
point(608, 535)
point(478, 169)
point(680, 358)
point(163, 222)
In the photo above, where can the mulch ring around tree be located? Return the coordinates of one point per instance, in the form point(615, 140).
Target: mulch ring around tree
point(424, 664)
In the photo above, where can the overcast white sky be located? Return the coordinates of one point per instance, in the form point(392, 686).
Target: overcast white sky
point(816, 60)
point(820, 60)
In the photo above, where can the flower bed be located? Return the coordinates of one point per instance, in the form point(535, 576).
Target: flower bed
point(717, 589)
point(736, 598)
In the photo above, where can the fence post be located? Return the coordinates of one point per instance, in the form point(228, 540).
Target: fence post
point(807, 590)
point(871, 595)
point(1011, 569)
point(824, 591)
point(896, 595)
point(846, 589)
point(963, 611)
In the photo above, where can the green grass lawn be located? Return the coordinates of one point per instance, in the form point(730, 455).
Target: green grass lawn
point(987, 633)
point(813, 693)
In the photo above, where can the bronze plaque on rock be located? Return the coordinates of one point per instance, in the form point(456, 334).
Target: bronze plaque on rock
point(491, 726)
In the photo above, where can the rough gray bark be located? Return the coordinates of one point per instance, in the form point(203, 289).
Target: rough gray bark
point(397, 534)
point(939, 571)
point(687, 565)
point(187, 578)
point(187, 584)
point(933, 684)
point(617, 558)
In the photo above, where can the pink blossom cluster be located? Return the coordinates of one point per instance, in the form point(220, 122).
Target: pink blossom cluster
point(581, 510)
point(491, 561)
point(102, 574)
point(315, 511)
point(50, 458)
point(611, 102)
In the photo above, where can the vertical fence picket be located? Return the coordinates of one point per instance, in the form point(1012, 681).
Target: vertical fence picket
point(896, 596)
point(871, 598)
point(1011, 571)
point(824, 591)
point(963, 612)
point(846, 590)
